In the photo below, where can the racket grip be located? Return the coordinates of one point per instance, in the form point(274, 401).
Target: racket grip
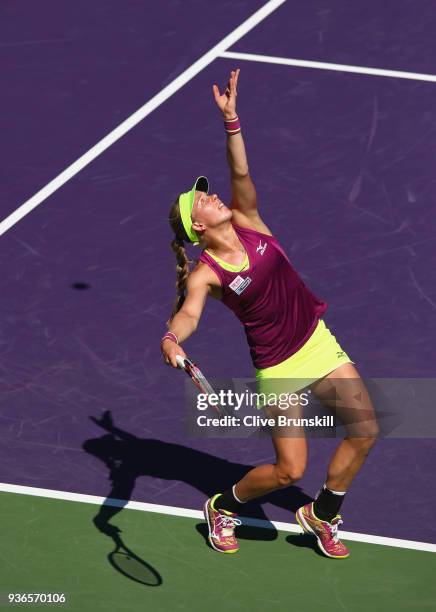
point(180, 361)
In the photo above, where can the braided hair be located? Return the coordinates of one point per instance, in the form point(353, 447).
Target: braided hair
point(178, 246)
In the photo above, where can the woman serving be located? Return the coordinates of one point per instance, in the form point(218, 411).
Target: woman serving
point(243, 265)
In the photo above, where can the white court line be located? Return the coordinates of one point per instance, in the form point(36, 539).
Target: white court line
point(197, 514)
point(140, 114)
point(251, 57)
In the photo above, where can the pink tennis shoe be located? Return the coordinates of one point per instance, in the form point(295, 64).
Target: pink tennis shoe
point(326, 533)
point(221, 527)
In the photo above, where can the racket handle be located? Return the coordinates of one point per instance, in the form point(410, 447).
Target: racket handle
point(180, 361)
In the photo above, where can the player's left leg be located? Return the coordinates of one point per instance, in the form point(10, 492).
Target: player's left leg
point(344, 392)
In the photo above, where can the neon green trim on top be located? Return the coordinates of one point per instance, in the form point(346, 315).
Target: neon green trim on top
point(230, 267)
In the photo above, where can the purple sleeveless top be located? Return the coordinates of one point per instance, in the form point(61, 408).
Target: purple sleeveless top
point(278, 311)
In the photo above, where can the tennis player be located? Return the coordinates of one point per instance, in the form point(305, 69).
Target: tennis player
point(243, 265)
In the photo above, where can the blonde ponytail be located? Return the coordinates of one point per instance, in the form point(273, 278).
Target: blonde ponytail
point(182, 267)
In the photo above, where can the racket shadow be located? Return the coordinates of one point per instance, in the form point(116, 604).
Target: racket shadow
point(125, 561)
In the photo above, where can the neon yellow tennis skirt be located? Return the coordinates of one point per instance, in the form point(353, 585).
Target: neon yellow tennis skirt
point(320, 355)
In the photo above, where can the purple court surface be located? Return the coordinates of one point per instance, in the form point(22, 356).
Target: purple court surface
point(344, 168)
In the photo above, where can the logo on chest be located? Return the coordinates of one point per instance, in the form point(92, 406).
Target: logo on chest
point(239, 284)
point(261, 247)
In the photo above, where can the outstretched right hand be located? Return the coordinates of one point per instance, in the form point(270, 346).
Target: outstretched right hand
point(170, 350)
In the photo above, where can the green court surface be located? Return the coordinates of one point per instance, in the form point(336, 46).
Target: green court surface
point(52, 546)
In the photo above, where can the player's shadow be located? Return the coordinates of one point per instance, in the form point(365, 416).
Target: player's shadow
point(304, 540)
point(128, 457)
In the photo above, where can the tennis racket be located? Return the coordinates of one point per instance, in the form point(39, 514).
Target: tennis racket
point(200, 381)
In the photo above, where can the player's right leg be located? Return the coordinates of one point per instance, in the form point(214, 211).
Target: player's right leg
point(222, 509)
